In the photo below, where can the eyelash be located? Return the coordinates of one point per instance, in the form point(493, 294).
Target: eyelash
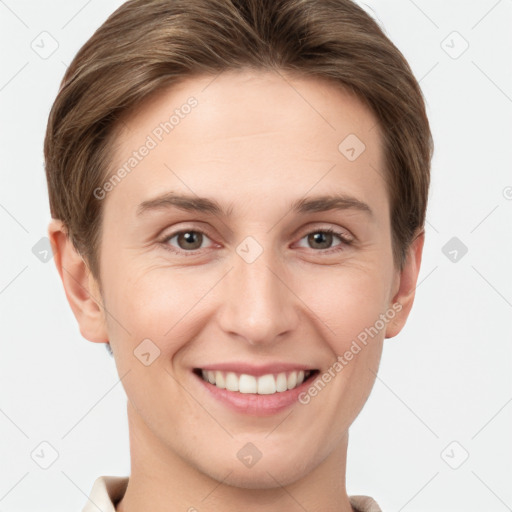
point(345, 241)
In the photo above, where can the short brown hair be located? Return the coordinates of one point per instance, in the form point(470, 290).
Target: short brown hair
point(146, 46)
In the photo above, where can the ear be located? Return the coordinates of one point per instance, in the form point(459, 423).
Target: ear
point(406, 286)
point(82, 290)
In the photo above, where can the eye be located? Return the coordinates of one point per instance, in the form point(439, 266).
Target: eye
point(323, 239)
point(187, 240)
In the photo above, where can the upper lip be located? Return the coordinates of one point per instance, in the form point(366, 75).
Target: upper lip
point(256, 370)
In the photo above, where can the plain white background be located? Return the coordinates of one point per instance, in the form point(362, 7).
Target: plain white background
point(435, 432)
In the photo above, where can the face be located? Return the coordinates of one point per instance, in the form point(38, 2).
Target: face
point(252, 237)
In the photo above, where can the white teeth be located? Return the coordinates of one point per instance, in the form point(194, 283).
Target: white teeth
point(247, 384)
point(231, 382)
point(281, 382)
point(219, 380)
point(264, 385)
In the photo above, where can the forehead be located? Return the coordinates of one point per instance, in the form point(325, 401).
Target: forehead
point(243, 102)
point(241, 134)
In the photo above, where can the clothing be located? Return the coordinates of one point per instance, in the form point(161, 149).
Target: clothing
point(108, 490)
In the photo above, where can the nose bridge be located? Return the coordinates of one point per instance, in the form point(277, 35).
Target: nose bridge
point(258, 305)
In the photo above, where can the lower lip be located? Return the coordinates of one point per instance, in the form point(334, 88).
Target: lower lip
point(252, 403)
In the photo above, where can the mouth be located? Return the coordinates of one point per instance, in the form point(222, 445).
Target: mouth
point(244, 383)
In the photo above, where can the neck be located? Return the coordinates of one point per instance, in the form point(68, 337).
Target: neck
point(162, 481)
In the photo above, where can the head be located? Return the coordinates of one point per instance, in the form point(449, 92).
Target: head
point(265, 115)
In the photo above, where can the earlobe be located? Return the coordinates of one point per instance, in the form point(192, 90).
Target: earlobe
point(80, 287)
point(408, 279)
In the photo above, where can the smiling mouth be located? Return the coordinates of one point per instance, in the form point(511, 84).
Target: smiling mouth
point(268, 384)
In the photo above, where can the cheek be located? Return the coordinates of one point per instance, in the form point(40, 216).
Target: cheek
point(351, 305)
point(159, 304)
point(346, 301)
point(151, 317)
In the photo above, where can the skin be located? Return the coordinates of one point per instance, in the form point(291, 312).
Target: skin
point(256, 142)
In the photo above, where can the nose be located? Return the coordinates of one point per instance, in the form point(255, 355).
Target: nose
point(258, 302)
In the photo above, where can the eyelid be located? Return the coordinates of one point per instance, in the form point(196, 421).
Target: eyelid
point(337, 230)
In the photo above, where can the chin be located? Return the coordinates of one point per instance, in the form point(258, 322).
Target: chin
point(271, 473)
point(261, 479)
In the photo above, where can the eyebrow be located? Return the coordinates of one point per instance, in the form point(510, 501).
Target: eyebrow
point(210, 206)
